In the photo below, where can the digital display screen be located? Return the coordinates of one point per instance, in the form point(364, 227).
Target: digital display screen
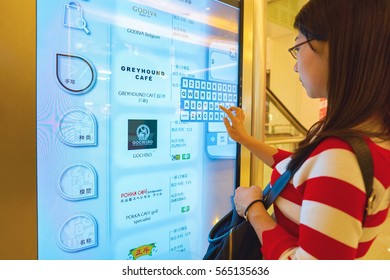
point(133, 159)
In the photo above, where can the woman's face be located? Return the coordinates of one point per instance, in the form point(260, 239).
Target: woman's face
point(312, 66)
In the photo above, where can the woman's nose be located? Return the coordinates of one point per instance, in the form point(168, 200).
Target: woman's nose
point(296, 67)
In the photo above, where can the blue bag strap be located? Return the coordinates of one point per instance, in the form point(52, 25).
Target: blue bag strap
point(270, 193)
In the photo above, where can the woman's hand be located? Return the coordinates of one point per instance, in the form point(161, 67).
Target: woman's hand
point(235, 127)
point(245, 196)
point(234, 123)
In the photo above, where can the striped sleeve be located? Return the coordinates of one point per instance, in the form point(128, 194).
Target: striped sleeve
point(280, 156)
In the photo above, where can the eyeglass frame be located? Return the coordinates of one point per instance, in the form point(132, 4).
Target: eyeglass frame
point(293, 50)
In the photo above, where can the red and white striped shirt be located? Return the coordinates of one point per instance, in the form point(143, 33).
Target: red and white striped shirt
point(320, 211)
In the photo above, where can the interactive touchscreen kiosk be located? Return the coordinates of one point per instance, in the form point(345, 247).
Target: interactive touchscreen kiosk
point(134, 161)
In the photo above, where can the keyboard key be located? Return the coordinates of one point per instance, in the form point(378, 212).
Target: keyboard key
point(184, 115)
point(196, 94)
point(205, 105)
point(190, 94)
point(183, 93)
point(184, 83)
point(193, 115)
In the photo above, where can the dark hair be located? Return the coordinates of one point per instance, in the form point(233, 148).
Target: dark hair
point(358, 35)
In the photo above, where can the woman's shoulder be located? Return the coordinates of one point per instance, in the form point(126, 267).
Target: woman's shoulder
point(379, 146)
point(336, 153)
point(334, 142)
point(326, 152)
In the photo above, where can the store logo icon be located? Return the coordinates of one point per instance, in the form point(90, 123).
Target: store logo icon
point(144, 12)
point(144, 250)
point(142, 134)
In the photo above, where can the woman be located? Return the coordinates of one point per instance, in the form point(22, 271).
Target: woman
point(343, 54)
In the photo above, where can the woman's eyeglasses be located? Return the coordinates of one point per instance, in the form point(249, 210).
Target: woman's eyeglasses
point(294, 50)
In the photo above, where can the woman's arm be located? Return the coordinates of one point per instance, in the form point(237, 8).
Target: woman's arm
point(256, 214)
